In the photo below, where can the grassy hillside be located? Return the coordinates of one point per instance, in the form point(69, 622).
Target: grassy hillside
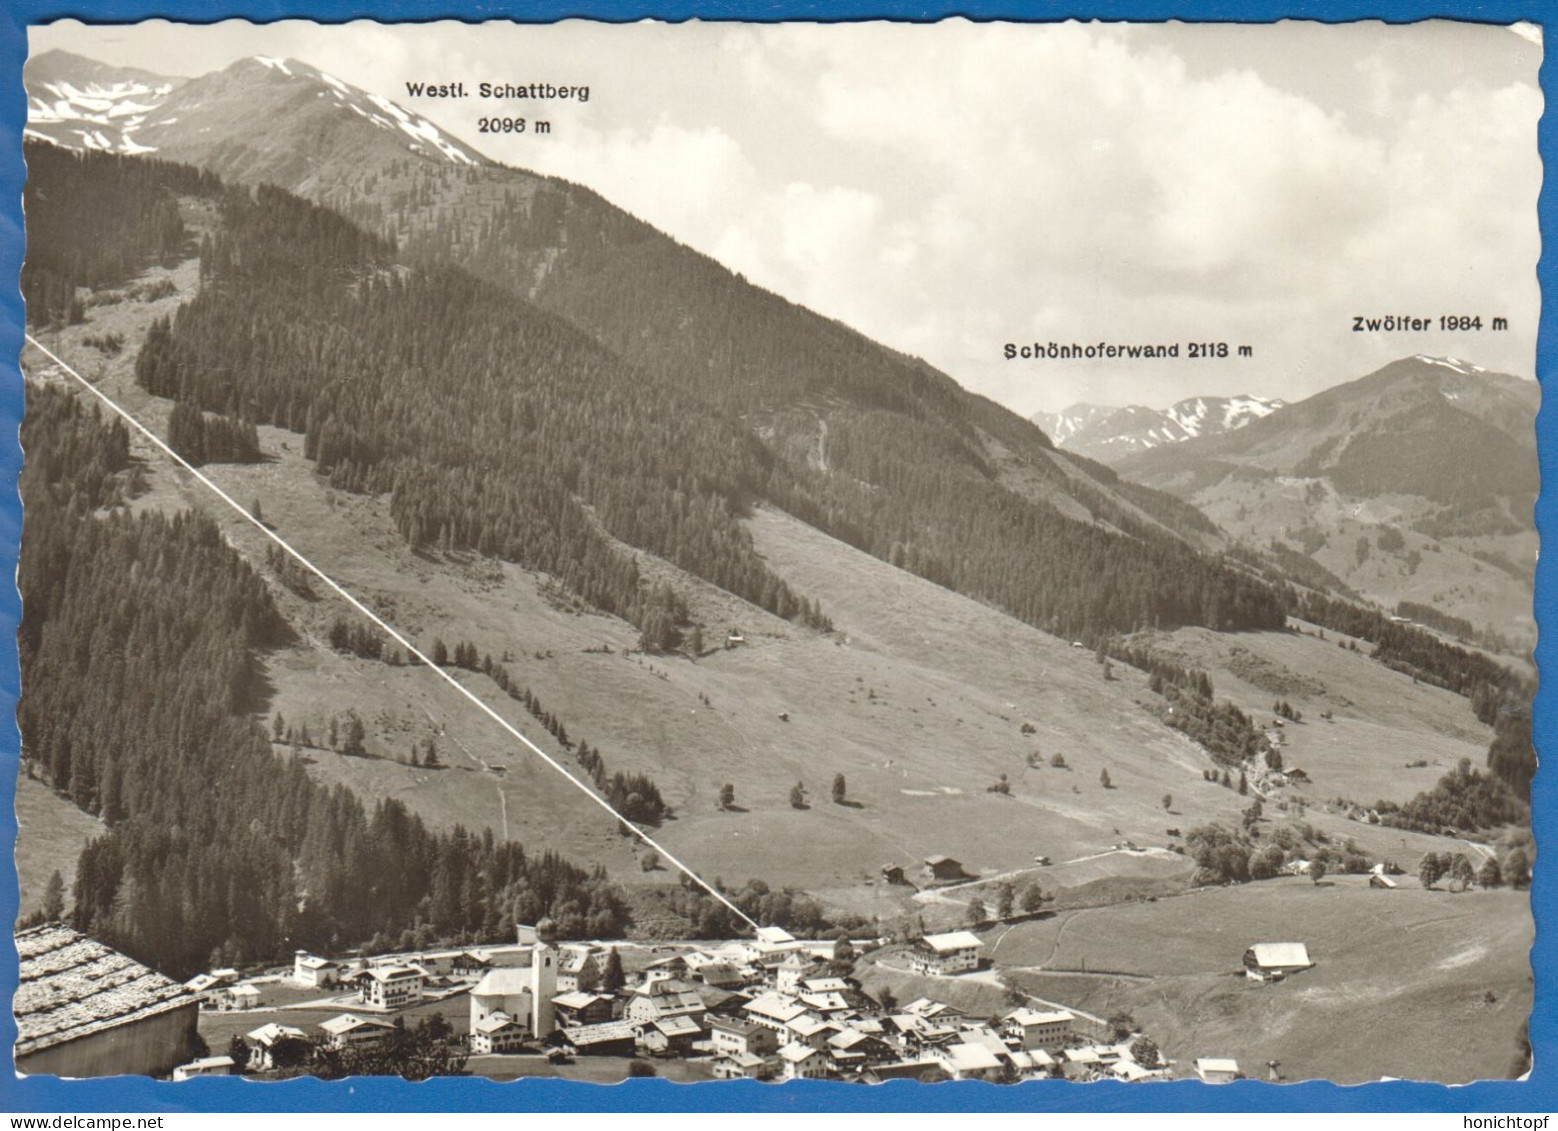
point(50, 834)
point(1483, 575)
point(1409, 983)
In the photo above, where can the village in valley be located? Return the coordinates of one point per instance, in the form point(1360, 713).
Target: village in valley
point(770, 1008)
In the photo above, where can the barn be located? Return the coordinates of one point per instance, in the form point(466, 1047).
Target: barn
point(942, 868)
point(84, 1009)
point(1271, 962)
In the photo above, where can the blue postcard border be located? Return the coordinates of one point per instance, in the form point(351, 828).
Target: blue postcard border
point(129, 1094)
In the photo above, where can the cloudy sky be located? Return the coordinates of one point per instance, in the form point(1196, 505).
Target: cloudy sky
point(953, 187)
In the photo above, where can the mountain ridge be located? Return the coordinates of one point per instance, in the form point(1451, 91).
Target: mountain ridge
point(1413, 483)
point(1107, 433)
point(134, 112)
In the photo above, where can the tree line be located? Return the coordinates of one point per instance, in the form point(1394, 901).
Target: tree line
point(488, 420)
point(1465, 799)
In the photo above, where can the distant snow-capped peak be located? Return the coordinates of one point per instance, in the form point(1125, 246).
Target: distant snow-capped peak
point(136, 115)
point(99, 115)
point(1204, 415)
point(1107, 433)
point(1063, 425)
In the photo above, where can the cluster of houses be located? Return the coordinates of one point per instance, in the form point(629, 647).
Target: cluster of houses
point(772, 1007)
point(777, 1008)
point(768, 1008)
point(223, 989)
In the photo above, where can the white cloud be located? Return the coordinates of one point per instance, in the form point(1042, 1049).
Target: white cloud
point(682, 179)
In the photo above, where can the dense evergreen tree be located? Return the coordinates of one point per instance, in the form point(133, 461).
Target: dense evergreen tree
point(203, 439)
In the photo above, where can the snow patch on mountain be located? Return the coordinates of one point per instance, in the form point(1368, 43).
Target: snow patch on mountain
point(1206, 415)
point(1465, 368)
point(98, 115)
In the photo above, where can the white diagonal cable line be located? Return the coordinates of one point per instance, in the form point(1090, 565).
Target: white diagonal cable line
point(387, 628)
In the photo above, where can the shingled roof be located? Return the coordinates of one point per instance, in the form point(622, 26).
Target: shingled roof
point(71, 986)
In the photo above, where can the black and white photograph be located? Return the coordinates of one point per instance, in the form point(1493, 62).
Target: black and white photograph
point(729, 551)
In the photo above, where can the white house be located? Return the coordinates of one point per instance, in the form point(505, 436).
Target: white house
point(1035, 1062)
point(929, 1007)
point(579, 964)
point(1217, 1069)
point(669, 1036)
point(773, 1011)
point(205, 1066)
point(828, 1004)
point(580, 1008)
point(721, 973)
point(802, 1062)
point(966, 1060)
point(1270, 962)
point(768, 942)
point(665, 997)
point(311, 970)
point(949, 953)
point(826, 985)
point(810, 1030)
point(738, 1039)
point(390, 987)
point(742, 1066)
point(207, 989)
point(349, 1031)
point(795, 969)
point(1040, 1029)
point(497, 1032)
point(245, 995)
point(264, 1041)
